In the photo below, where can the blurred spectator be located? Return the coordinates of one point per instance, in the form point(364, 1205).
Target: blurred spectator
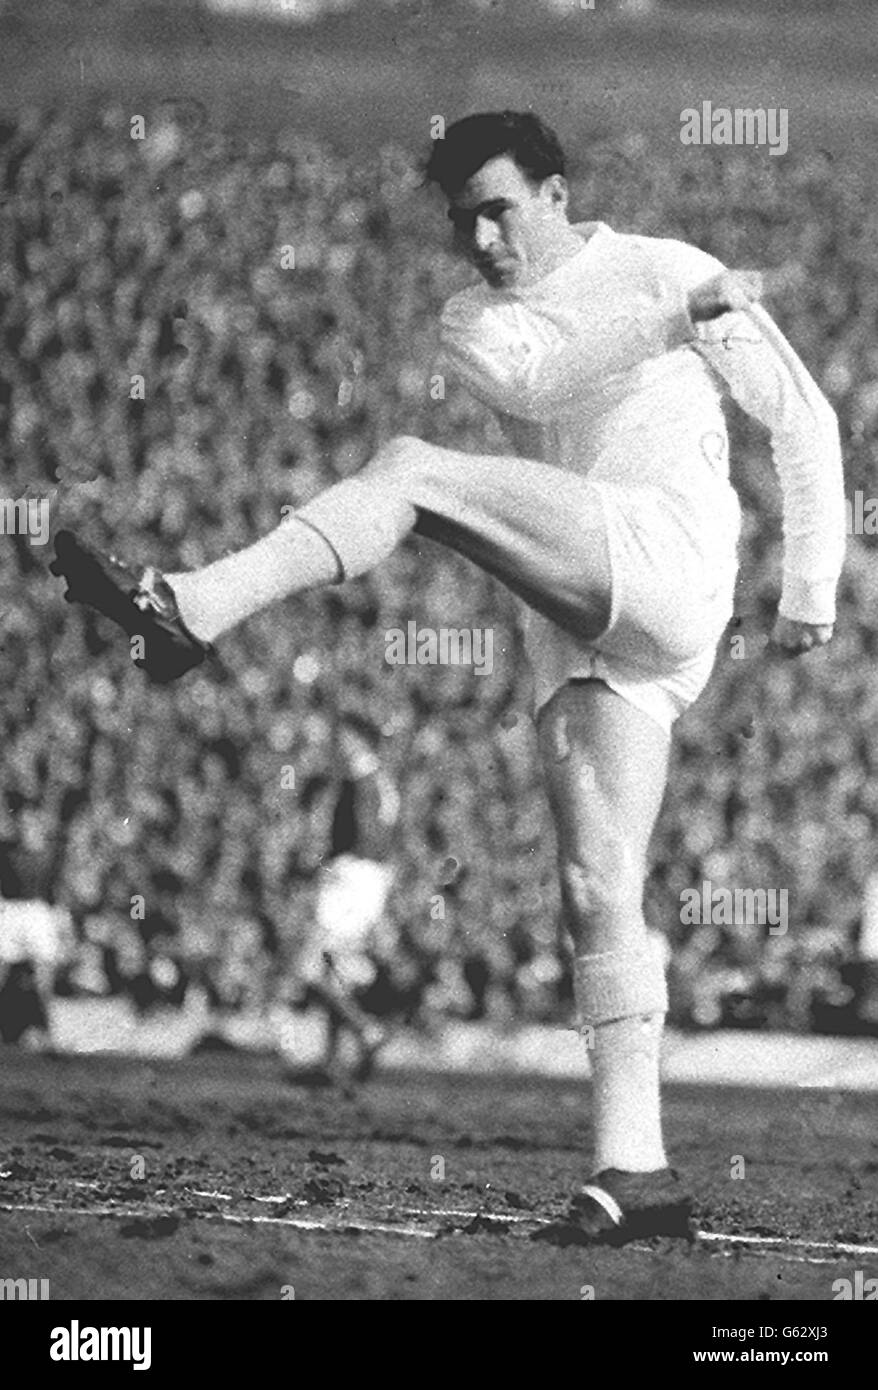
point(35, 942)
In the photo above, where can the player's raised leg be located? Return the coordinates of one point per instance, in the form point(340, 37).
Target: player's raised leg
point(537, 528)
point(605, 766)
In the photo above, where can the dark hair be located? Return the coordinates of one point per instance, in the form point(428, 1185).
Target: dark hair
point(471, 142)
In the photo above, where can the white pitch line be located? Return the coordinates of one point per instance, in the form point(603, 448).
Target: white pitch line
point(533, 1220)
point(300, 1223)
point(511, 1218)
point(781, 1247)
point(841, 1247)
point(507, 1218)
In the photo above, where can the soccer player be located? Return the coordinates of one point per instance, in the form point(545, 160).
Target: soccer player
point(351, 929)
point(606, 357)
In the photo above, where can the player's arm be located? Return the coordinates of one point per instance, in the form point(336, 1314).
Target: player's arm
point(526, 360)
point(729, 290)
point(769, 381)
point(529, 359)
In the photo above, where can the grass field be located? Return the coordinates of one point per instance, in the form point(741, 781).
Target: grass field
point(250, 1185)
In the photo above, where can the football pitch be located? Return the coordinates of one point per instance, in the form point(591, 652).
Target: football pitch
point(216, 1178)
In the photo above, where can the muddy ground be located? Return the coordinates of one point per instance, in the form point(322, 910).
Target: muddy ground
point(149, 1181)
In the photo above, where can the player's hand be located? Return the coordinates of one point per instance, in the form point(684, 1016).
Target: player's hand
point(732, 290)
point(726, 292)
point(791, 638)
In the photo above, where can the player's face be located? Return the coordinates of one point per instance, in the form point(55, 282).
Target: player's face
point(507, 225)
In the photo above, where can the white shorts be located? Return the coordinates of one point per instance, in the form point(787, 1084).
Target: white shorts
point(672, 597)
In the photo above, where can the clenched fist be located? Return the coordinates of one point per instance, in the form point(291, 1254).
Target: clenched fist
point(738, 289)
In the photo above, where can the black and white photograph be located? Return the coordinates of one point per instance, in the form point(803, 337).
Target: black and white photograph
point(439, 662)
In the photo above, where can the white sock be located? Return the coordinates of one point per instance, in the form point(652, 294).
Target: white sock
point(292, 557)
point(625, 1088)
point(343, 532)
point(621, 997)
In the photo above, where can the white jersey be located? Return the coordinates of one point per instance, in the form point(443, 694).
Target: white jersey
point(598, 369)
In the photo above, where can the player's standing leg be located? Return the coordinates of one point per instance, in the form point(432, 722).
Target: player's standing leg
point(605, 766)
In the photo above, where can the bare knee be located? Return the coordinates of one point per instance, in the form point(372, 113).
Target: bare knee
point(589, 888)
point(602, 891)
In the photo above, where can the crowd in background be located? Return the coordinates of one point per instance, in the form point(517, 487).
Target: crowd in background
point(198, 332)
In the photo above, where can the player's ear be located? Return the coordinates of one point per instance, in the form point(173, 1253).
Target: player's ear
point(555, 191)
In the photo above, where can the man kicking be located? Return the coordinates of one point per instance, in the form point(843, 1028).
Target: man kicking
point(605, 357)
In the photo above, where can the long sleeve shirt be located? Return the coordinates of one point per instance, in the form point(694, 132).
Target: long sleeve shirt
point(598, 369)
